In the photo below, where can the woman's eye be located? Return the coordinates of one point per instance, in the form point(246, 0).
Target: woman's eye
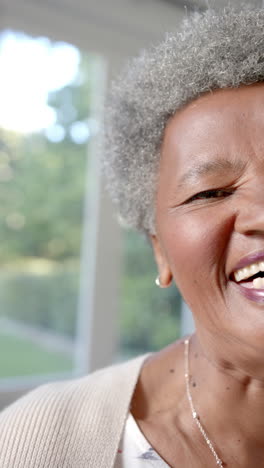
point(207, 194)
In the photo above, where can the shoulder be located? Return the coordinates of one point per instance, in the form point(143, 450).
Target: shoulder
point(65, 421)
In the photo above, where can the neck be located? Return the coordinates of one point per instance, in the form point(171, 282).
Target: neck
point(229, 402)
point(230, 405)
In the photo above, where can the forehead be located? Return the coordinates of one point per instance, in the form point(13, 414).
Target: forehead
point(226, 122)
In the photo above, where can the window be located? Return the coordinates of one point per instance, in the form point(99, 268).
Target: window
point(45, 128)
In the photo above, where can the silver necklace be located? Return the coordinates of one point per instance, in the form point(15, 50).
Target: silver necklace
point(194, 413)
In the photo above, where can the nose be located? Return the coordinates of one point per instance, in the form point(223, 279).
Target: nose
point(250, 213)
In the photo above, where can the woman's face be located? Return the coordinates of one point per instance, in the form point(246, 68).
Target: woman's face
point(210, 211)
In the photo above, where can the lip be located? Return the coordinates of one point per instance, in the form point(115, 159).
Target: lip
point(254, 295)
point(251, 258)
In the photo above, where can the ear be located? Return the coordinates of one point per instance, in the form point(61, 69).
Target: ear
point(165, 275)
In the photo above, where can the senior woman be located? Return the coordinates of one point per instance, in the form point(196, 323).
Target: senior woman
point(185, 161)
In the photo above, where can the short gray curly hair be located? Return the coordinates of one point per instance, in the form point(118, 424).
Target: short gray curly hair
point(215, 49)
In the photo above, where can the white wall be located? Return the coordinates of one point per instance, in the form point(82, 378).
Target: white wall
point(115, 28)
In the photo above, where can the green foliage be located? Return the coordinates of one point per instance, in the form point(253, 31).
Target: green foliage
point(26, 358)
point(44, 197)
point(150, 317)
point(42, 184)
point(42, 188)
point(48, 299)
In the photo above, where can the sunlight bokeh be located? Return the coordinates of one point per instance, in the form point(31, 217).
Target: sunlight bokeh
point(29, 69)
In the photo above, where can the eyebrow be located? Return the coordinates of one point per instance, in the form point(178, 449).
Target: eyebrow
point(209, 167)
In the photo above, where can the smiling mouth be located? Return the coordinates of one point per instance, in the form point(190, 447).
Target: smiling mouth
point(251, 277)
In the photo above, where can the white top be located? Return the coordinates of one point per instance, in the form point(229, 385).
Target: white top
point(135, 451)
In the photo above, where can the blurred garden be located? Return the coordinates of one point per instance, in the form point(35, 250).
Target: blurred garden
point(43, 179)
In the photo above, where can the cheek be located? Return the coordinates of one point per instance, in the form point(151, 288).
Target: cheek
point(196, 244)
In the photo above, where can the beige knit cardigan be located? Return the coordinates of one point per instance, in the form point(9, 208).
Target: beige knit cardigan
point(72, 424)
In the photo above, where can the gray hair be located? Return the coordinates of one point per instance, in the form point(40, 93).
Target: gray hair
point(215, 49)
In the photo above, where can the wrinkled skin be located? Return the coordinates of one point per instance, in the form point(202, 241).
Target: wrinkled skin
point(215, 142)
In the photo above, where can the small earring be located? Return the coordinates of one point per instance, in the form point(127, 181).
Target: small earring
point(157, 281)
point(160, 285)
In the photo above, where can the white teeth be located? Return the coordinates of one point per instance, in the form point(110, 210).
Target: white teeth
point(254, 269)
point(242, 274)
point(258, 283)
point(237, 275)
point(251, 270)
point(246, 273)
